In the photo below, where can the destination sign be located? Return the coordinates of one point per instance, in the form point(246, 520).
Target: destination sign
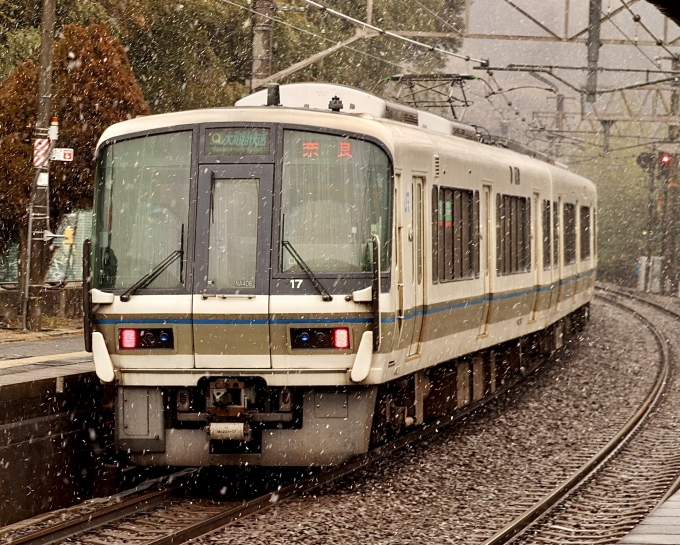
point(237, 141)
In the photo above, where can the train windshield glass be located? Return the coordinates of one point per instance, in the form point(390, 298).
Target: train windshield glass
point(335, 195)
point(142, 211)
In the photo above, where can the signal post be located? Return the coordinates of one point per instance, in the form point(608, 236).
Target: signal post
point(668, 174)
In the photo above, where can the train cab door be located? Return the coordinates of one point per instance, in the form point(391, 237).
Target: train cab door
point(417, 264)
point(408, 316)
point(486, 258)
point(232, 265)
point(536, 258)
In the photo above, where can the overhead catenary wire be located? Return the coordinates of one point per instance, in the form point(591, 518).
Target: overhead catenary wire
point(383, 32)
point(440, 19)
point(634, 42)
point(494, 92)
point(638, 19)
point(309, 33)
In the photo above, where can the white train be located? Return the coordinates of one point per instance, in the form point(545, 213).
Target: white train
point(288, 284)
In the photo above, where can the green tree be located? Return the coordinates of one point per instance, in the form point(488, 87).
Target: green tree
point(622, 212)
point(197, 53)
point(20, 27)
point(18, 46)
point(190, 55)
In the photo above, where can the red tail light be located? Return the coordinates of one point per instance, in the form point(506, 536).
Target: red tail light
point(128, 338)
point(341, 337)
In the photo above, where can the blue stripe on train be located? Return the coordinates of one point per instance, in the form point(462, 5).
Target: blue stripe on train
point(289, 321)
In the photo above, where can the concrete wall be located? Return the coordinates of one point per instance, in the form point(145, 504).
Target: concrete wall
point(65, 302)
point(50, 430)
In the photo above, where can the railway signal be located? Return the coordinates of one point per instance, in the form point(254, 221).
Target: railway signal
point(665, 162)
point(646, 161)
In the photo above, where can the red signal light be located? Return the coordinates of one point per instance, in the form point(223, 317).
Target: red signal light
point(341, 338)
point(128, 338)
point(665, 159)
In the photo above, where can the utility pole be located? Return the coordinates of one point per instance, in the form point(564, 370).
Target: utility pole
point(39, 208)
point(647, 161)
point(607, 129)
point(593, 43)
point(559, 123)
point(264, 10)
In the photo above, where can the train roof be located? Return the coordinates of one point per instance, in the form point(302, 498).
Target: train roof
point(319, 96)
point(300, 100)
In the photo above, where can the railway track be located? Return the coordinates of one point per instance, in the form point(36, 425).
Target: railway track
point(176, 519)
point(482, 477)
point(163, 516)
point(534, 529)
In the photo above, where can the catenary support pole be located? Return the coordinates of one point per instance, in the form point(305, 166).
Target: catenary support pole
point(38, 214)
point(262, 41)
point(595, 15)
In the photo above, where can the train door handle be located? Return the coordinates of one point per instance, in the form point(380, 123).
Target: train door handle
point(205, 296)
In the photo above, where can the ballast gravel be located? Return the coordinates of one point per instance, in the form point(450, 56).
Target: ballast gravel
point(474, 477)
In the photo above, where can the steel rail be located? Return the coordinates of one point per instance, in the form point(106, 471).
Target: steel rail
point(57, 533)
point(636, 297)
point(587, 470)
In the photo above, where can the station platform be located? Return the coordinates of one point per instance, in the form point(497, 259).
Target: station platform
point(661, 527)
point(26, 356)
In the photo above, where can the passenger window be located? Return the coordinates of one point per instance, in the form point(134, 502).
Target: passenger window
point(513, 227)
point(435, 234)
point(455, 234)
point(585, 233)
point(569, 233)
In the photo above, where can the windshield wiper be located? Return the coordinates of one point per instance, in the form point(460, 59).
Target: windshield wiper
point(156, 271)
point(152, 275)
point(322, 291)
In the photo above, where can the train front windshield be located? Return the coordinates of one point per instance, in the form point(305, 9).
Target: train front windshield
point(335, 196)
point(142, 211)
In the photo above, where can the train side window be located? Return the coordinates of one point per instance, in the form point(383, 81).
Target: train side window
point(513, 226)
point(499, 236)
point(455, 234)
point(556, 234)
point(447, 197)
point(585, 233)
point(436, 222)
point(547, 262)
point(569, 233)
